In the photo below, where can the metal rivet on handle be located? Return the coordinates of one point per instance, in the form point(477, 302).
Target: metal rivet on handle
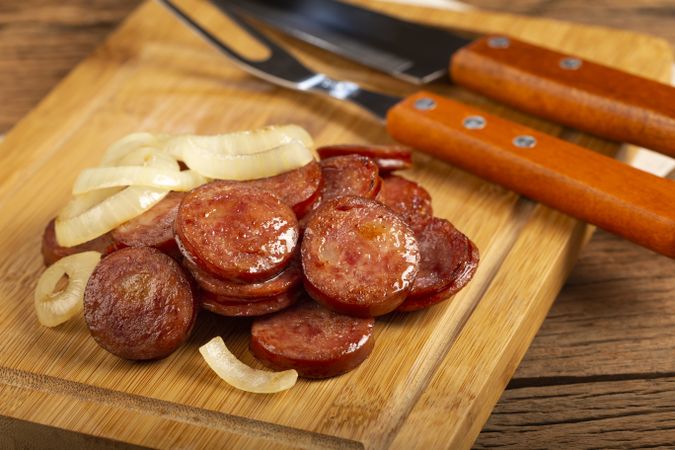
point(474, 122)
point(524, 141)
point(425, 104)
point(570, 63)
point(499, 42)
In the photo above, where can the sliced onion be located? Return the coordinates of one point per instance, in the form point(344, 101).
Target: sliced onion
point(55, 308)
point(107, 215)
point(250, 166)
point(106, 177)
point(147, 157)
point(238, 143)
point(81, 203)
point(241, 376)
point(131, 142)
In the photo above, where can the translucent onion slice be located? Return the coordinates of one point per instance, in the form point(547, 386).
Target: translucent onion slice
point(241, 376)
point(131, 142)
point(106, 177)
point(81, 203)
point(106, 215)
point(54, 308)
point(147, 157)
point(238, 143)
point(250, 166)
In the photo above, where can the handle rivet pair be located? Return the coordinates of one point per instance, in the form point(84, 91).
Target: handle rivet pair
point(474, 123)
point(524, 141)
point(499, 42)
point(570, 63)
point(425, 104)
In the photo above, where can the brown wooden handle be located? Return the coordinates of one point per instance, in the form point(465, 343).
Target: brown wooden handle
point(587, 185)
point(571, 91)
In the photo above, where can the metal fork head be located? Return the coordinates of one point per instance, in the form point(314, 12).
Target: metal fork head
point(284, 69)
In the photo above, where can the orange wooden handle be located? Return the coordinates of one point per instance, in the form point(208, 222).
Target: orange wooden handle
point(571, 91)
point(587, 185)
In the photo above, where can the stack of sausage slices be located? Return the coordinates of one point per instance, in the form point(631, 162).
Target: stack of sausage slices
point(315, 254)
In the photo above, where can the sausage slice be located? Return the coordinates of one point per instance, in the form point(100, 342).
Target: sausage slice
point(139, 304)
point(255, 307)
point(408, 199)
point(153, 228)
point(358, 257)
point(52, 251)
point(448, 262)
point(387, 157)
point(297, 188)
point(349, 175)
point(313, 340)
point(236, 232)
point(289, 278)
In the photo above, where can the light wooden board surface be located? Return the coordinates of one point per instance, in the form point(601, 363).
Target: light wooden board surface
point(441, 369)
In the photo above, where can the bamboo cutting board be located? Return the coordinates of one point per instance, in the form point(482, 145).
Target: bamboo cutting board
point(434, 375)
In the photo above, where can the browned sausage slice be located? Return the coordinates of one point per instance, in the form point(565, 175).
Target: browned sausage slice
point(258, 307)
point(448, 262)
point(349, 175)
point(139, 304)
point(408, 199)
point(387, 157)
point(289, 278)
point(297, 188)
point(236, 232)
point(153, 228)
point(358, 257)
point(313, 340)
point(52, 251)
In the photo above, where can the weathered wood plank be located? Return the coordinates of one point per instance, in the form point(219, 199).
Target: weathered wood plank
point(610, 415)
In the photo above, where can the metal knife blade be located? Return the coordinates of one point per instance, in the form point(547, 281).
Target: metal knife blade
point(406, 50)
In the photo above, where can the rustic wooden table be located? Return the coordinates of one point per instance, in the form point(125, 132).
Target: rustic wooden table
point(601, 371)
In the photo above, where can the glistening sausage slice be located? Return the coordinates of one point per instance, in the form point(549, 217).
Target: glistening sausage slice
point(153, 228)
point(258, 307)
point(349, 175)
point(358, 257)
point(139, 304)
point(408, 199)
point(448, 262)
point(387, 157)
point(289, 278)
point(236, 232)
point(52, 251)
point(297, 188)
point(313, 340)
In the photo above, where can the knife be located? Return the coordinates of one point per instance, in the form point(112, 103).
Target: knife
point(563, 88)
point(619, 198)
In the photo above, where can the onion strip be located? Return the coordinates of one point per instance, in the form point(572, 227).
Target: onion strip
point(106, 177)
point(248, 166)
point(237, 374)
point(107, 215)
point(55, 308)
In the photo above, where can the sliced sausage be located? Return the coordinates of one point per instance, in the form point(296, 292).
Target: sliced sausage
point(313, 340)
point(358, 257)
point(349, 175)
point(153, 228)
point(448, 262)
point(226, 307)
point(52, 251)
point(298, 188)
point(236, 232)
point(408, 199)
point(139, 304)
point(387, 157)
point(289, 278)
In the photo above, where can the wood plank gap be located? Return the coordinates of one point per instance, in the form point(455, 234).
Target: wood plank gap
point(520, 383)
point(176, 412)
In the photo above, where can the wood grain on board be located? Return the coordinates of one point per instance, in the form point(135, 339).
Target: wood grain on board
point(141, 79)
